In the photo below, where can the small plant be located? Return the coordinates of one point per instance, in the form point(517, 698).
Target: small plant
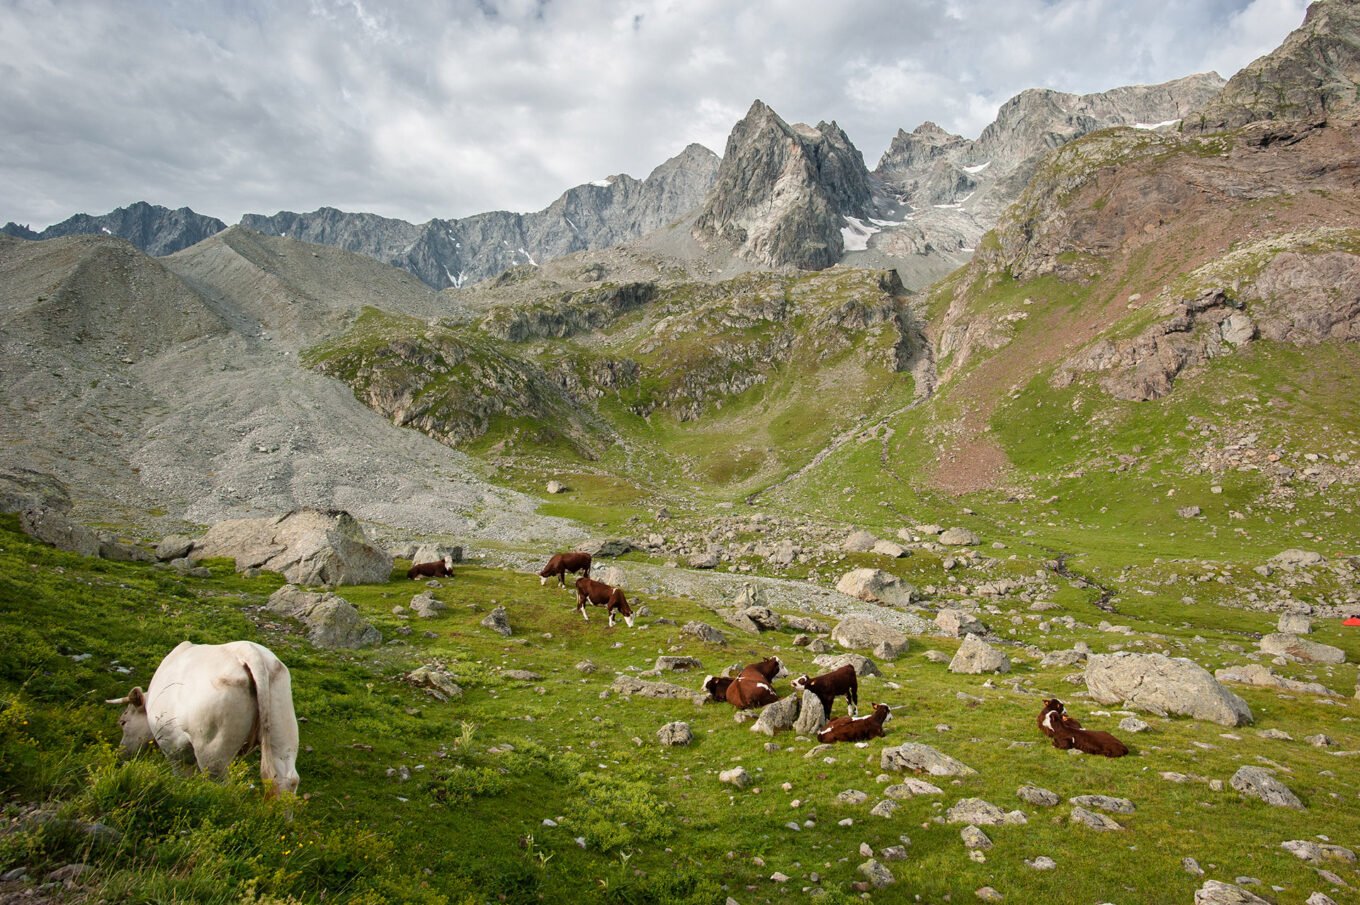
point(465, 734)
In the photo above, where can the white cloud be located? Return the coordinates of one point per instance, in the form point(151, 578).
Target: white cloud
point(416, 109)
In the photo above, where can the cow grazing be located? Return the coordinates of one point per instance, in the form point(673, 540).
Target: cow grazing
point(1054, 714)
point(208, 703)
point(560, 564)
point(438, 569)
point(601, 594)
point(1067, 733)
point(831, 685)
point(856, 728)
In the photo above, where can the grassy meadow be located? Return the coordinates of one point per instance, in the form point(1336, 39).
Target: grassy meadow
point(552, 789)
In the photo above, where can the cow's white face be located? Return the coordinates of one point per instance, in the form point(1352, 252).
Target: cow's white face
point(800, 683)
point(781, 671)
point(542, 581)
point(136, 727)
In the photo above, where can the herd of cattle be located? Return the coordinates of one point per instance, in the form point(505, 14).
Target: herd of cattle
point(209, 703)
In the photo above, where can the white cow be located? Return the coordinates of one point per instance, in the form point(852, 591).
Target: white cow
point(207, 703)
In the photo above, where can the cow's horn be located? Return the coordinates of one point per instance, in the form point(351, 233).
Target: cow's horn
point(123, 700)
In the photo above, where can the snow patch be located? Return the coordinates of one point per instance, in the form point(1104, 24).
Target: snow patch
point(957, 204)
point(974, 170)
point(106, 230)
point(1169, 122)
point(528, 257)
point(569, 223)
point(886, 222)
point(457, 281)
point(602, 183)
point(856, 236)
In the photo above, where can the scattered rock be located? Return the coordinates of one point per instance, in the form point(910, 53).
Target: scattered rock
point(498, 620)
point(859, 542)
point(976, 656)
point(1257, 782)
point(426, 606)
point(861, 632)
point(1294, 624)
point(974, 838)
point(51, 526)
point(556, 487)
point(876, 586)
point(332, 622)
point(175, 546)
point(957, 623)
point(1214, 892)
point(884, 808)
point(811, 716)
point(877, 874)
point(1043, 862)
point(1104, 803)
point(919, 758)
point(1293, 559)
point(676, 664)
point(1263, 676)
point(629, 687)
point(1133, 724)
point(891, 549)
point(1284, 644)
point(737, 776)
point(959, 537)
point(704, 632)
point(863, 665)
point(438, 683)
point(1037, 796)
point(1093, 820)
point(675, 734)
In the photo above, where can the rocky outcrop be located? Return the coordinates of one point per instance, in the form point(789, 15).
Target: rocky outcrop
point(308, 546)
point(1257, 782)
point(1311, 76)
point(922, 759)
point(783, 192)
point(1296, 648)
point(52, 526)
point(1163, 685)
point(859, 632)
point(151, 228)
point(1262, 676)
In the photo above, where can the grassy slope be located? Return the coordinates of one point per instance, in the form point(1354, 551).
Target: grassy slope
point(658, 825)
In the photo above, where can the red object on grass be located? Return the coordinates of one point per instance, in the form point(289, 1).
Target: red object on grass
point(1353, 620)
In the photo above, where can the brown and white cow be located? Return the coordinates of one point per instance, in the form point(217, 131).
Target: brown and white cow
point(437, 569)
point(1067, 733)
point(856, 728)
point(753, 687)
point(208, 703)
point(560, 564)
point(842, 680)
point(1054, 714)
point(716, 687)
point(601, 594)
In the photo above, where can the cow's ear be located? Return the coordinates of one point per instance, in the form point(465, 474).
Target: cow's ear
point(136, 698)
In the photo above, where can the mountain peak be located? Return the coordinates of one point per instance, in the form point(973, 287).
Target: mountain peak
point(783, 192)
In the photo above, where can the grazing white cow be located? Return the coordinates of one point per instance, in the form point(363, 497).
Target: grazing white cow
point(207, 703)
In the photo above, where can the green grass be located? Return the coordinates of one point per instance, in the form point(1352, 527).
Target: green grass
point(487, 769)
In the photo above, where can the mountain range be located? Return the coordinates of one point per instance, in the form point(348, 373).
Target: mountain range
point(1150, 291)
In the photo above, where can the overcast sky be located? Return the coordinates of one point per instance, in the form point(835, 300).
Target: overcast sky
point(444, 108)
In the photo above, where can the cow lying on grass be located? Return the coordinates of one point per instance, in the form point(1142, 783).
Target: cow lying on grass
point(1067, 733)
point(856, 728)
point(207, 703)
point(754, 687)
point(437, 569)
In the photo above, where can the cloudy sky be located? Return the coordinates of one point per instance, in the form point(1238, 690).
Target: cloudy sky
point(444, 108)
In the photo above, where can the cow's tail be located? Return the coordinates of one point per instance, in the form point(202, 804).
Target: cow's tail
point(275, 716)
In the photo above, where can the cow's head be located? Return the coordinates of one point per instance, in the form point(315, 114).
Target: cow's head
point(883, 709)
point(800, 683)
point(1052, 704)
point(624, 610)
point(136, 727)
point(780, 670)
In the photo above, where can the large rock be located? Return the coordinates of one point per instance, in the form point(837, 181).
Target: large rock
point(1293, 559)
point(308, 546)
point(859, 542)
point(675, 734)
point(332, 621)
point(862, 632)
point(959, 537)
point(24, 488)
point(920, 758)
point(811, 716)
point(498, 620)
point(1283, 644)
point(1163, 685)
point(777, 717)
point(1214, 892)
point(704, 632)
point(976, 656)
point(1294, 624)
point(975, 811)
point(606, 548)
point(436, 681)
point(436, 553)
point(1258, 782)
point(174, 546)
point(427, 606)
point(876, 586)
point(51, 526)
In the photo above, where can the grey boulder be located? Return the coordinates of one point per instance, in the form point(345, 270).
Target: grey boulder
point(1163, 685)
